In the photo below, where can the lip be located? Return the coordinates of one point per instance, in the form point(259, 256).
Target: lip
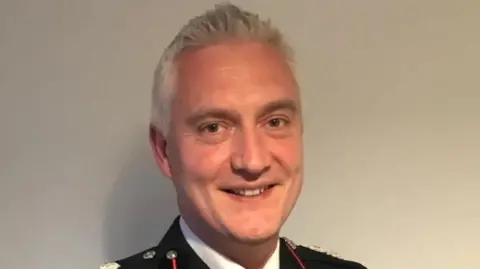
point(249, 187)
point(265, 195)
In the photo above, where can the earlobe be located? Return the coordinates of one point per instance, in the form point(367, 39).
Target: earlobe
point(158, 143)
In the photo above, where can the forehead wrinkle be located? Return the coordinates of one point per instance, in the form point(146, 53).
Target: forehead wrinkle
point(235, 71)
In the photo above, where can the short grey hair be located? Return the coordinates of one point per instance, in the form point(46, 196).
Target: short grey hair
point(225, 21)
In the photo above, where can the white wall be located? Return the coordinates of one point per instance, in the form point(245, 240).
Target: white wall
point(392, 97)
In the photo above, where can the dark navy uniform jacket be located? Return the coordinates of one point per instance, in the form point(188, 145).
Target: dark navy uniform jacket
point(174, 245)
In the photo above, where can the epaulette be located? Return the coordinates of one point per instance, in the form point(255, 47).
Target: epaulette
point(315, 255)
point(328, 252)
point(144, 259)
point(109, 265)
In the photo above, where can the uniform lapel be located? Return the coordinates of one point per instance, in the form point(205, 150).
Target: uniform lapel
point(175, 241)
point(287, 259)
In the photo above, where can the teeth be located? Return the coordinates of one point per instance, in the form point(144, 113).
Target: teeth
point(249, 192)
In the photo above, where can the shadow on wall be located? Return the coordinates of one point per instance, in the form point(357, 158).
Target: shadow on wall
point(141, 206)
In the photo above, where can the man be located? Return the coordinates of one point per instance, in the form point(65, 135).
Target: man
point(227, 130)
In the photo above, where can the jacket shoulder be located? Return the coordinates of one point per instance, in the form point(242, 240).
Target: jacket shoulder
point(146, 259)
point(318, 257)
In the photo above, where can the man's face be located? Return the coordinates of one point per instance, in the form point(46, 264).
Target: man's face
point(235, 148)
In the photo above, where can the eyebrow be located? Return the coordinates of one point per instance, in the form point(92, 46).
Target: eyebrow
point(283, 104)
point(232, 115)
point(215, 113)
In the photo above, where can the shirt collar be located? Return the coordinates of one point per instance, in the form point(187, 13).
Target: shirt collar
point(215, 260)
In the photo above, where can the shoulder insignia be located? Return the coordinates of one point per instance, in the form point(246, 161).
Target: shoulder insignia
point(320, 249)
point(290, 243)
point(110, 265)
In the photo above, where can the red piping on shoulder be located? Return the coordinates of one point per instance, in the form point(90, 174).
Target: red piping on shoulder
point(296, 257)
point(174, 263)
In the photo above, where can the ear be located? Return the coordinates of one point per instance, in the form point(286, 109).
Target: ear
point(158, 142)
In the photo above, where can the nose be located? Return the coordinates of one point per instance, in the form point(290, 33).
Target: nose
point(251, 155)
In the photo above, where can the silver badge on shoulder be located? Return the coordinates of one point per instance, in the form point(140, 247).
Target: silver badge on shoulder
point(320, 249)
point(149, 255)
point(110, 265)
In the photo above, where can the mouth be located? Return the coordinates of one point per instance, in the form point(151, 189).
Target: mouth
point(250, 192)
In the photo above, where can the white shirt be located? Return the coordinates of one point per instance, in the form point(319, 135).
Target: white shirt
point(215, 260)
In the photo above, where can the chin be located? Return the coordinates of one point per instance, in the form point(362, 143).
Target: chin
point(253, 239)
point(249, 233)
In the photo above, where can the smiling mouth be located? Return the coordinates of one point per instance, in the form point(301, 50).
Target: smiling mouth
point(249, 192)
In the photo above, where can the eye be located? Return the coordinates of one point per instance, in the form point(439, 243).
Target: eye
point(214, 132)
point(210, 128)
point(277, 122)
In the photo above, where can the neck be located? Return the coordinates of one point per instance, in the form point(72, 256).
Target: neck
point(248, 255)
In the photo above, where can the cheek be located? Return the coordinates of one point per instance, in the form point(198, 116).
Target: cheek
point(204, 161)
point(288, 152)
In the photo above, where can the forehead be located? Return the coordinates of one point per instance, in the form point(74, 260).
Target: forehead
point(233, 74)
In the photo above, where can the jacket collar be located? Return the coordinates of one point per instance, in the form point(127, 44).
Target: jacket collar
point(187, 258)
point(185, 255)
